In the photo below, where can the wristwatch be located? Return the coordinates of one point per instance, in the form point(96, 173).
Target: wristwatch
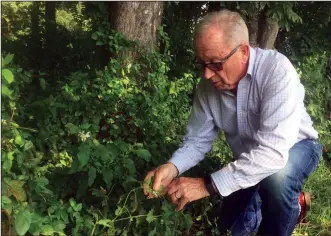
point(211, 187)
point(216, 197)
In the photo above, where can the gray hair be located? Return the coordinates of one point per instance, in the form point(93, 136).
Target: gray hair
point(230, 23)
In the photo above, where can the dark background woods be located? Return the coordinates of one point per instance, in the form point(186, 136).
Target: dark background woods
point(95, 94)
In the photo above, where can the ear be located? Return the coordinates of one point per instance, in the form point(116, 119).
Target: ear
point(245, 52)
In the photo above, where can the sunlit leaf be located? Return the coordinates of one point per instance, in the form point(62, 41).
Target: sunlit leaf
point(8, 75)
point(7, 59)
point(22, 222)
point(6, 91)
point(150, 216)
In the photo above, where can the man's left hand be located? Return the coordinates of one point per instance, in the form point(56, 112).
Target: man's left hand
point(184, 190)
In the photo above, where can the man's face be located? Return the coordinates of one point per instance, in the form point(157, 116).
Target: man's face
point(210, 48)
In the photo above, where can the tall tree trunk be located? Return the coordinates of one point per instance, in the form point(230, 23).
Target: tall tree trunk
point(50, 31)
point(35, 43)
point(138, 21)
point(253, 28)
point(268, 30)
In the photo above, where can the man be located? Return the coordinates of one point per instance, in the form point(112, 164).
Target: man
point(256, 98)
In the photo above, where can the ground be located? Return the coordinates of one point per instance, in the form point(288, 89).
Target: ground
point(319, 218)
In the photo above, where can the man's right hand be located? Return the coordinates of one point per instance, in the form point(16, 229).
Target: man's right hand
point(163, 175)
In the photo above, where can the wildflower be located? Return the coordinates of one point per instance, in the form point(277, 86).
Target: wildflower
point(83, 136)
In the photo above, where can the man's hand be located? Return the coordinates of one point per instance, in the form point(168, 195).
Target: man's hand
point(184, 190)
point(163, 175)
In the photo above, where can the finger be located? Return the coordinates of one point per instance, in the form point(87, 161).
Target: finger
point(174, 199)
point(174, 187)
point(164, 190)
point(158, 176)
point(182, 203)
point(149, 175)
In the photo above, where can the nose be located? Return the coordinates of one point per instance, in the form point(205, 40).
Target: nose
point(208, 73)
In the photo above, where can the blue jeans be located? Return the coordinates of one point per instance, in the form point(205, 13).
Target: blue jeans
point(271, 207)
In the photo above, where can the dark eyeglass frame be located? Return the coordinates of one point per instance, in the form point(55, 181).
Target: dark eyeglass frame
point(217, 66)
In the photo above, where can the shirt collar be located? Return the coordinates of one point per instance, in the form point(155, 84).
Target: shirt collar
point(252, 55)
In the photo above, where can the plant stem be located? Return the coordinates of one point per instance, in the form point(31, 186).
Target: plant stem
point(93, 229)
point(134, 217)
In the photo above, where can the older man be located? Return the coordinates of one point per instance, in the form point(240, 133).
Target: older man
point(256, 98)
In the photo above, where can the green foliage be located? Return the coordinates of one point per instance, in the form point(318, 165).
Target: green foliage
point(79, 134)
point(101, 128)
point(312, 71)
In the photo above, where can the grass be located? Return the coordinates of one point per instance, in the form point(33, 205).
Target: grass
point(319, 218)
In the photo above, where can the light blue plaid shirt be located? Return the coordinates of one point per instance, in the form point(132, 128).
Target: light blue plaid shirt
point(261, 123)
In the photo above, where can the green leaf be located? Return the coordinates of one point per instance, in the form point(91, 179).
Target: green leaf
point(59, 225)
point(8, 75)
point(6, 91)
point(188, 221)
point(92, 173)
point(22, 222)
point(72, 202)
point(73, 129)
point(7, 59)
point(144, 153)
point(94, 36)
point(129, 164)
point(113, 150)
point(7, 160)
point(42, 82)
point(15, 188)
point(83, 154)
point(19, 141)
point(153, 232)
point(150, 216)
point(107, 177)
point(5, 200)
point(64, 216)
point(99, 43)
point(85, 126)
point(104, 222)
point(6, 204)
point(28, 145)
point(102, 152)
point(118, 211)
point(47, 230)
point(78, 207)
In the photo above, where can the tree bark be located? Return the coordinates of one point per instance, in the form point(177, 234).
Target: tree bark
point(50, 36)
point(138, 21)
point(268, 30)
point(35, 43)
point(253, 28)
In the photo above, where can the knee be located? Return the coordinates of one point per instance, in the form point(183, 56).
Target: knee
point(281, 188)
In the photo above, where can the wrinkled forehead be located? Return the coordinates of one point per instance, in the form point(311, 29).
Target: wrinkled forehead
point(209, 44)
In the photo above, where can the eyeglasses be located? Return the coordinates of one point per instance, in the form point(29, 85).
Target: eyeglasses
point(217, 66)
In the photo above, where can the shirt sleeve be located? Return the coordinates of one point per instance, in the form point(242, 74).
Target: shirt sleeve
point(200, 133)
point(280, 114)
